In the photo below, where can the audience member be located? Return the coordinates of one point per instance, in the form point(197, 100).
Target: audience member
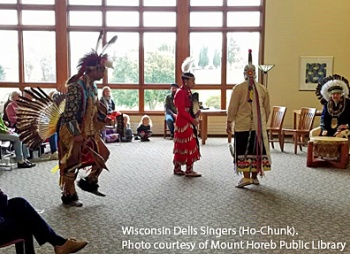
point(21, 150)
point(144, 129)
point(109, 134)
point(127, 131)
point(248, 112)
point(12, 108)
point(170, 109)
point(4, 116)
point(107, 100)
point(19, 220)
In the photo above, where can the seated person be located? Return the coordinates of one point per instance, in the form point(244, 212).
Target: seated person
point(144, 129)
point(4, 116)
point(127, 131)
point(336, 107)
point(21, 150)
point(107, 100)
point(12, 108)
point(170, 109)
point(109, 134)
point(19, 220)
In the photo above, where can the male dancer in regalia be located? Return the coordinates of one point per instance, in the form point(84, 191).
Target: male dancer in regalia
point(80, 144)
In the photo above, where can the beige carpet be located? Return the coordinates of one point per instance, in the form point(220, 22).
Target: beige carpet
point(312, 204)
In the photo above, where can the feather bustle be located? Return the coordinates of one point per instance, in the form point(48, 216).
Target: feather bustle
point(38, 118)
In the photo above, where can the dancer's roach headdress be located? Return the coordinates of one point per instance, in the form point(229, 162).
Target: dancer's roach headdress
point(95, 59)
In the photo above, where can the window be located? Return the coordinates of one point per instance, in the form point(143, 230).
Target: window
point(123, 2)
point(123, 18)
point(79, 18)
point(159, 58)
point(8, 17)
point(206, 2)
point(85, 2)
point(9, 59)
point(206, 19)
point(31, 18)
point(159, 19)
point(126, 99)
point(28, 45)
point(238, 45)
point(243, 2)
point(39, 56)
point(154, 99)
point(46, 38)
point(206, 48)
point(159, 2)
point(42, 2)
point(243, 19)
point(209, 98)
point(125, 54)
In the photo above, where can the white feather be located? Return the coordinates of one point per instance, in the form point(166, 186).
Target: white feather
point(187, 65)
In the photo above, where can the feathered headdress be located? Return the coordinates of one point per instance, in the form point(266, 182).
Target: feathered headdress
point(186, 67)
point(94, 59)
point(249, 69)
point(37, 118)
point(332, 84)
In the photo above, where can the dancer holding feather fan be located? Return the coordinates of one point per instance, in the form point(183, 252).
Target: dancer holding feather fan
point(79, 125)
point(80, 143)
point(186, 145)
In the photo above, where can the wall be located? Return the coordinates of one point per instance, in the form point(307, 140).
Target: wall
point(295, 28)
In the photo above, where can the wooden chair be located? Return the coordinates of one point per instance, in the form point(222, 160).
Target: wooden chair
point(276, 123)
point(5, 159)
point(306, 120)
point(166, 129)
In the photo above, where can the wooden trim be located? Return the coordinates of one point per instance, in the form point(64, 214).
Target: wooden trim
point(182, 31)
point(62, 62)
point(182, 40)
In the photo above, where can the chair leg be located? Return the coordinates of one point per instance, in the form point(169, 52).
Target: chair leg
point(302, 142)
point(271, 139)
point(296, 138)
point(165, 129)
point(282, 142)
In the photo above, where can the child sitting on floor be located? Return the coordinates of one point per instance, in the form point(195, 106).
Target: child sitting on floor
point(127, 132)
point(144, 129)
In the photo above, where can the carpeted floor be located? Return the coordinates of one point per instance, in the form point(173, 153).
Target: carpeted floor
point(295, 209)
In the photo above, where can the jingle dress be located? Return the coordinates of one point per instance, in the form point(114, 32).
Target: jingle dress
point(186, 145)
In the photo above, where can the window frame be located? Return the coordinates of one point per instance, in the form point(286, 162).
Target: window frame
point(182, 31)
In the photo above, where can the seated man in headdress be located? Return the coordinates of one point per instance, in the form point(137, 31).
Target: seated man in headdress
point(334, 92)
